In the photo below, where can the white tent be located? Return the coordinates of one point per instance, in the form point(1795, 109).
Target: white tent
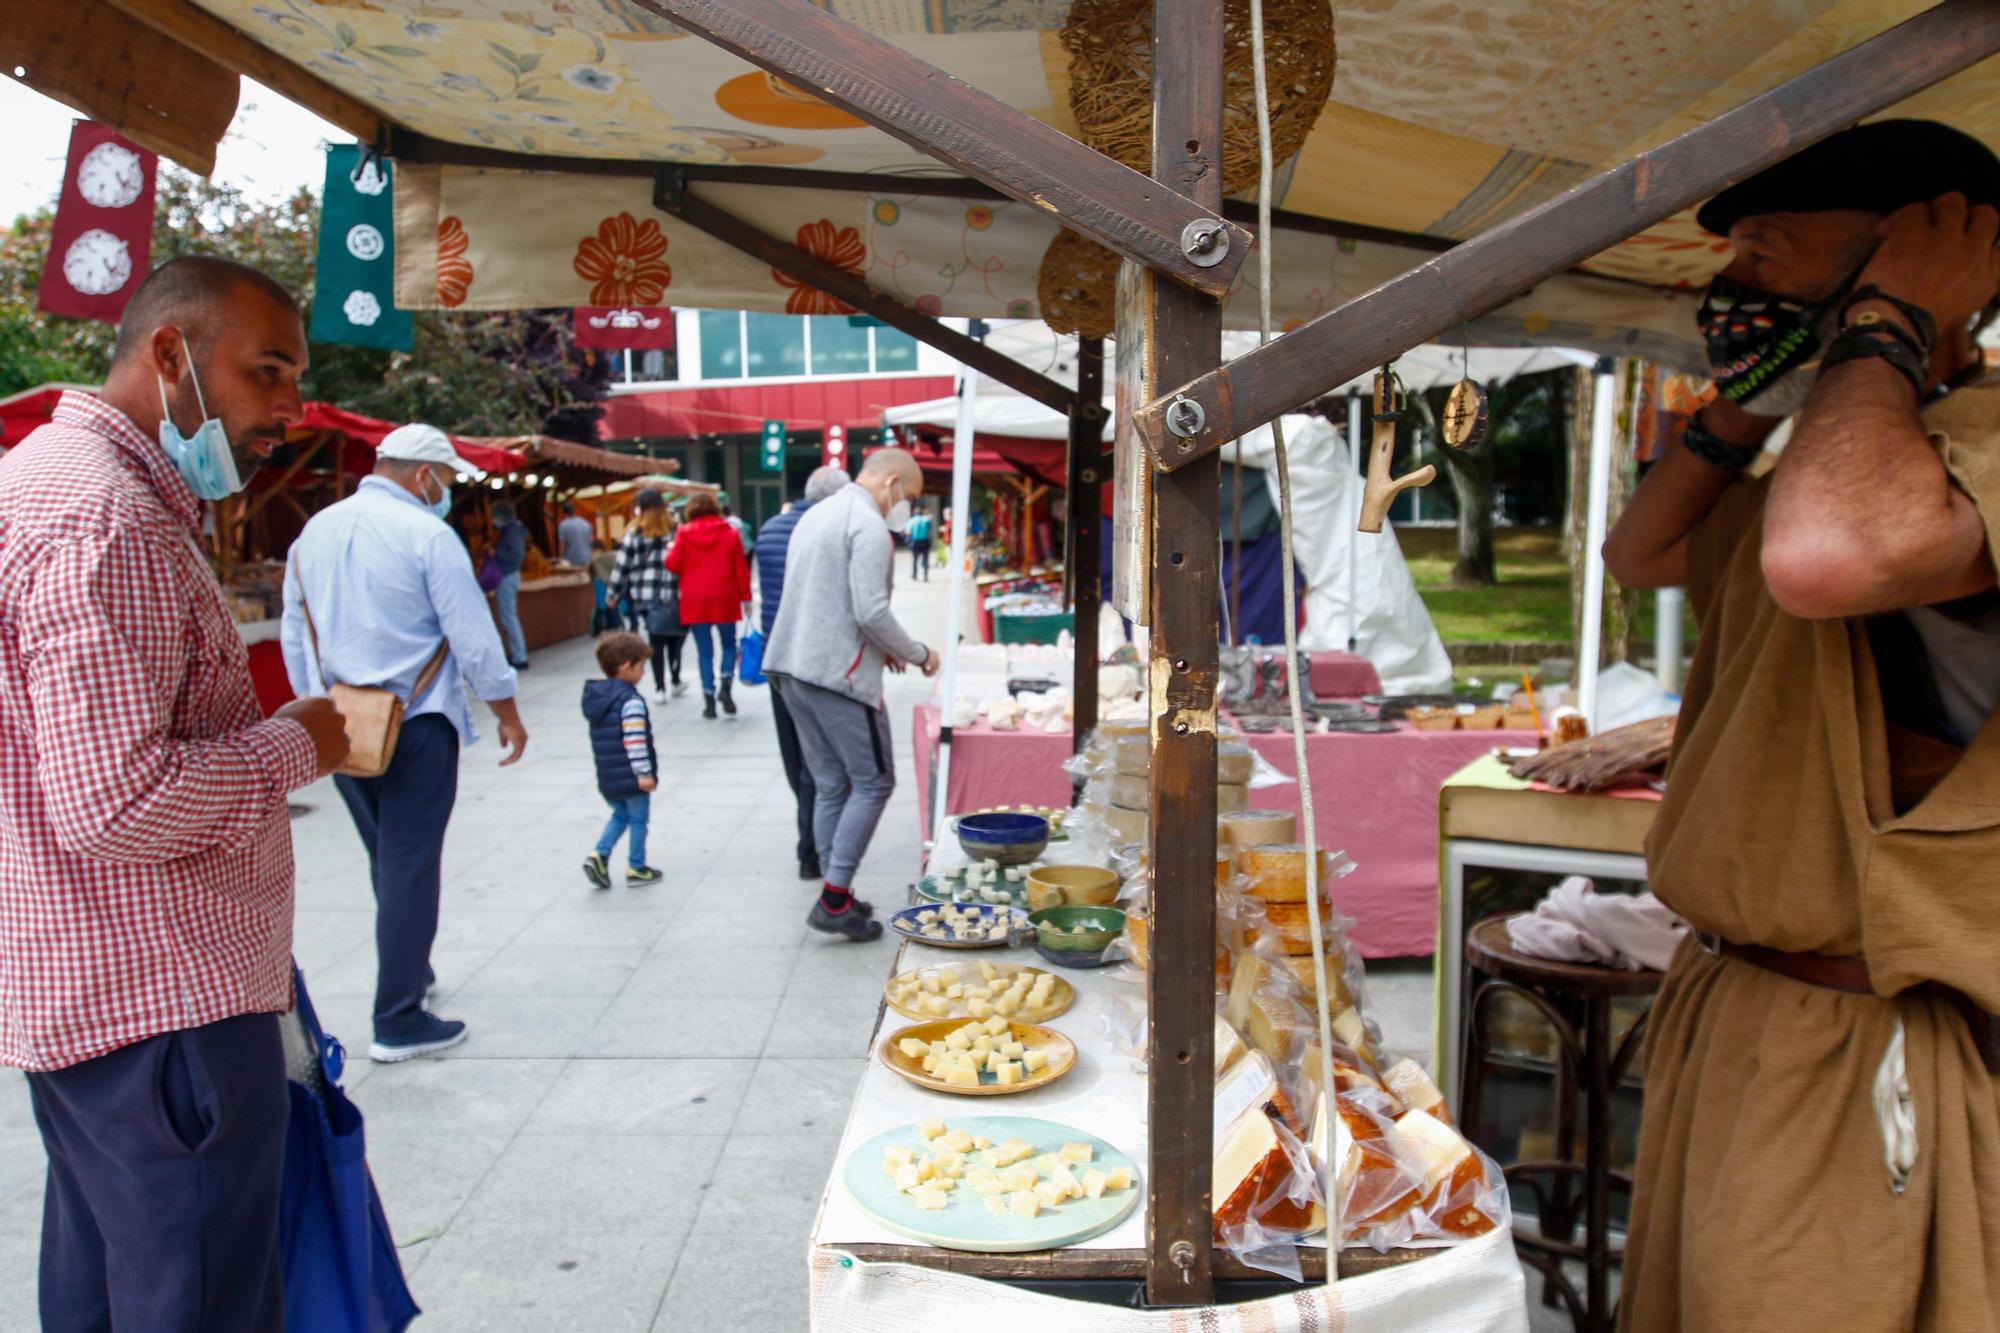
point(1359, 585)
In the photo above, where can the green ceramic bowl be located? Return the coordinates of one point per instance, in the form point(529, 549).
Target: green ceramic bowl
point(1102, 925)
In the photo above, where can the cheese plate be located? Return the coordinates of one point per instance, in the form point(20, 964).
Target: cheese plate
point(900, 1179)
point(960, 925)
point(972, 1057)
point(925, 993)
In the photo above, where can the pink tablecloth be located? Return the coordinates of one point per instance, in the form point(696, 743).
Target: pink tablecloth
point(1376, 798)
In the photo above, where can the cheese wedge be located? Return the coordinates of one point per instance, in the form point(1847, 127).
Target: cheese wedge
point(1252, 1178)
point(930, 1129)
point(1410, 1085)
point(930, 1200)
point(1025, 1203)
point(1253, 1083)
point(1077, 1152)
point(1094, 1183)
point(1118, 1178)
point(997, 1205)
point(1229, 1047)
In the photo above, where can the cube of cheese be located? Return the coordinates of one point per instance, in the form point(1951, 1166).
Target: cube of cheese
point(1018, 1178)
point(1049, 1194)
point(954, 991)
point(1013, 1050)
point(930, 1200)
point(937, 1005)
point(996, 1026)
point(983, 1043)
point(998, 1205)
point(950, 1165)
point(1072, 1188)
point(981, 1181)
point(897, 1154)
point(1025, 1203)
point(1094, 1183)
point(909, 1176)
point(956, 1140)
point(1035, 1061)
point(913, 1048)
point(989, 972)
point(962, 1077)
point(1007, 1005)
point(1077, 1152)
point(1046, 1164)
point(958, 1041)
point(930, 1129)
point(982, 1142)
point(1008, 1072)
point(1120, 1178)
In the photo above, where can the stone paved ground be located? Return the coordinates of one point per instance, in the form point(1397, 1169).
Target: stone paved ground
point(637, 1133)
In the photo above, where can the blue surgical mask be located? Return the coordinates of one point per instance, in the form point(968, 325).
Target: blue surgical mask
point(442, 505)
point(206, 462)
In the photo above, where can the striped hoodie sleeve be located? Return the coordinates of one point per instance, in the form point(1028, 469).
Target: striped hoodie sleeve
point(637, 730)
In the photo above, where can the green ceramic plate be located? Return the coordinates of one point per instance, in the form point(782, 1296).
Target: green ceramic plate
point(964, 1223)
point(936, 889)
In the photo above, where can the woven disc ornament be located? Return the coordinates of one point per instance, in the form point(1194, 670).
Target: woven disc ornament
point(1078, 286)
point(1110, 46)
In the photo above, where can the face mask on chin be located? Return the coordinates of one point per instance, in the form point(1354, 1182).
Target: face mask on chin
point(1764, 349)
point(205, 461)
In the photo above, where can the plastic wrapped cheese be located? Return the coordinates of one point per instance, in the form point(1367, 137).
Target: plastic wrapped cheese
point(1249, 828)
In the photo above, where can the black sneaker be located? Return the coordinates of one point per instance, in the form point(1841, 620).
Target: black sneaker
point(809, 868)
point(708, 706)
point(728, 701)
point(850, 923)
point(431, 1034)
point(638, 877)
point(597, 870)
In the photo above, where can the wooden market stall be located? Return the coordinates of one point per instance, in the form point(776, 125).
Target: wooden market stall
point(1536, 189)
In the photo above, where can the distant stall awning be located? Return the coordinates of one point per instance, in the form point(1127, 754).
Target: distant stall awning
point(576, 464)
point(810, 405)
point(366, 431)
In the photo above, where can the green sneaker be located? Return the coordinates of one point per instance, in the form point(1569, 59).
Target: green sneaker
point(639, 876)
point(597, 871)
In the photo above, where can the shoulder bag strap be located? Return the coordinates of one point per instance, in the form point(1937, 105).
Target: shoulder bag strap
point(425, 678)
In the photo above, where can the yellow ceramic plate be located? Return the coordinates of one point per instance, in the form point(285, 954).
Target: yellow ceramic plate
point(1060, 1050)
point(1061, 995)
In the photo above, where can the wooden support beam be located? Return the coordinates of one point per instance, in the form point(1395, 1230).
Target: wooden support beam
point(1500, 264)
point(284, 479)
point(1084, 564)
point(671, 195)
point(1182, 336)
point(834, 60)
point(201, 32)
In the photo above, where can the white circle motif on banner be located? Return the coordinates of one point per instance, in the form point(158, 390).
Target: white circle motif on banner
point(111, 176)
point(361, 308)
point(364, 241)
point(97, 263)
point(370, 180)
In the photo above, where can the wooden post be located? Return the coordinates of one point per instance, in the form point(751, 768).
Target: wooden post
point(1182, 338)
point(1085, 562)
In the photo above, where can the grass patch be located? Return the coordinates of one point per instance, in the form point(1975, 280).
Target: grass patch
point(1529, 604)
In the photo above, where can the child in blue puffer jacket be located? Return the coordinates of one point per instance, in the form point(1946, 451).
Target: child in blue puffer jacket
point(621, 740)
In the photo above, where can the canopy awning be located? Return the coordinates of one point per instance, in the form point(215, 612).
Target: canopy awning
point(737, 409)
point(1444, 120)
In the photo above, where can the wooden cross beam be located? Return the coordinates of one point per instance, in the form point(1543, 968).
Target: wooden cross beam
point(1144, 220)
point(1497, 266)
point(671, 195)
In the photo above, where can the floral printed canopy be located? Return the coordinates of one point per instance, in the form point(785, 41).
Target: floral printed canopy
point(1447, 117)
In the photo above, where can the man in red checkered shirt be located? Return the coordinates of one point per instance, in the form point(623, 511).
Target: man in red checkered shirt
point(145, 857)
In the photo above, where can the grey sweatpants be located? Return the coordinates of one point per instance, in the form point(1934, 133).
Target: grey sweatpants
point(847, 748)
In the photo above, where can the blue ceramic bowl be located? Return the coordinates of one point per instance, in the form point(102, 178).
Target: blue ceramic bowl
point(1010, 839)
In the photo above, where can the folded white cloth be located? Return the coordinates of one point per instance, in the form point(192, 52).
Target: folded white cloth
point(1577, 924)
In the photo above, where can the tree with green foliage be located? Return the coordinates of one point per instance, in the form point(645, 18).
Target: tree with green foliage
point(476, 373)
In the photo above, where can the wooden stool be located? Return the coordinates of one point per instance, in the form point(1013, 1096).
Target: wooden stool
point(1576, 999)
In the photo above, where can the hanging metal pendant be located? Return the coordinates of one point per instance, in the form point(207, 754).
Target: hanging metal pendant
point(1465, 421)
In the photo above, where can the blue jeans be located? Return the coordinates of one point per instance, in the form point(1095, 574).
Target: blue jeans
point(507, 601)
point(704, 651)
point(630, 815)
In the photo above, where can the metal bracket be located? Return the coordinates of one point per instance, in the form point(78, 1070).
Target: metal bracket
point(1205, 242)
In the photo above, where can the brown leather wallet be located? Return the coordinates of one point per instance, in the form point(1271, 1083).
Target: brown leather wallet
point(1850, 974)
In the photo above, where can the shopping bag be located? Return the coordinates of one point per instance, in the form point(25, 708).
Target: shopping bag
point(750, 658)
point(341, 1271)
point(490, 574)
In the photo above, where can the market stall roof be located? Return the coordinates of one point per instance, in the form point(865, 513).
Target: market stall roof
point(1444, 120)
point(21, 412)
point(575, 464)
point(491, 456)
point(724, 409)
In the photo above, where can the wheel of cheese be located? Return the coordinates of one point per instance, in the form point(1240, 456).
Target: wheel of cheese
point(1225, 867)
point(1232, 762)
point(1139, 937)
point(1125, 825)
point(1132, 755)
point(1248, 828)
point(1231, 797)
point(1130, 793)
point(1301, 968)
point(1287, 925)
point(1276, 872)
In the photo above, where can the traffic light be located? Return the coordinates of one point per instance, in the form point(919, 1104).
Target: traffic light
point(774, 446)
point(835, 451)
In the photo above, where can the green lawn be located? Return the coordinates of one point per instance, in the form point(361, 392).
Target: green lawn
point(1531, 603)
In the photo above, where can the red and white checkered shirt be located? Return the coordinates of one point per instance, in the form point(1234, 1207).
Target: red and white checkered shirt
point(145, 853)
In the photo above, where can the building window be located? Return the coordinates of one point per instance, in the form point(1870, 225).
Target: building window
point(721, 344)
point(776, 344)
point(894, 349)
point(838, 347)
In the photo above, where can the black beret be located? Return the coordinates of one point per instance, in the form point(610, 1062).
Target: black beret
point(651, 500)
point(1878, 167)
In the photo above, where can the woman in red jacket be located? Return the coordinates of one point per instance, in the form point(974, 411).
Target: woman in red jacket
point(715, 587)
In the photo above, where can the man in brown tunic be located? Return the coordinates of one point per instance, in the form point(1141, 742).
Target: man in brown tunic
point(1821, 1147)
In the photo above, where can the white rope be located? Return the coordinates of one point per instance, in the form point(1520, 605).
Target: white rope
point(1334, 1225)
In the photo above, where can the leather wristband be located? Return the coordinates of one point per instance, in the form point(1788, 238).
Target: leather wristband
point(1712, 448)
point(1921, 320)
point(1861, 341)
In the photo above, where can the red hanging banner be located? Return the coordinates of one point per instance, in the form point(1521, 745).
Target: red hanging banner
point(642, 328)
point(101, 246)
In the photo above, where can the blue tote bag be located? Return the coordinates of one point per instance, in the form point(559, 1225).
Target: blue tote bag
point(342, 1274)
point(750, 658)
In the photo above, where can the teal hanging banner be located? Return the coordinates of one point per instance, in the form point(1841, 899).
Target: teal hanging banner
point(355, 288)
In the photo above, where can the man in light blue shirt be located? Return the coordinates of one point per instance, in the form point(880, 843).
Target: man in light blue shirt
point(374, 587)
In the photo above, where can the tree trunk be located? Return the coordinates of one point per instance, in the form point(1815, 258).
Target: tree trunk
point(1473, 483)
point(1621, 604)
point(1576, 514)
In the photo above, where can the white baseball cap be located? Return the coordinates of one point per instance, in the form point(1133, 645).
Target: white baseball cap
point(418, 443)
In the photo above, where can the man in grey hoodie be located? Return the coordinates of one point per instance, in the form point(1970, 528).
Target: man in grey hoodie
point(834, 636)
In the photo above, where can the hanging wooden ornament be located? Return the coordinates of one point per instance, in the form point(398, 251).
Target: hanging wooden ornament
point(1465, 415)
